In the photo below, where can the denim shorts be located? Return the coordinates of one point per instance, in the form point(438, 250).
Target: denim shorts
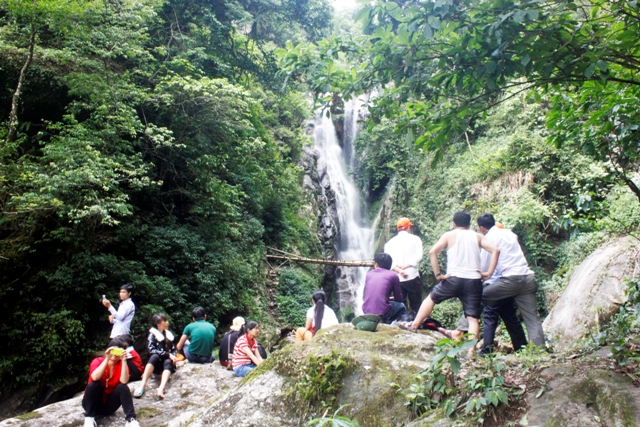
point(243, 370)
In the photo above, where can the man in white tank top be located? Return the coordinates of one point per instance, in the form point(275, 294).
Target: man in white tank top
point(464, 278)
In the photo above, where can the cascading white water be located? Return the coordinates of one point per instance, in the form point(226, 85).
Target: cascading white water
point(356, 234)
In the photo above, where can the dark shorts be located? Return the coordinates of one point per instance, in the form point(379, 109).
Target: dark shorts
point(469, 291)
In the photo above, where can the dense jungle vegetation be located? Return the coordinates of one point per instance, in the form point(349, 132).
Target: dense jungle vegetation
point(158, 143)
point(145, 142)
point(525, 109)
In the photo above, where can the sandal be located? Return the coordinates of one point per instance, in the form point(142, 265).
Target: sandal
point(138, 393)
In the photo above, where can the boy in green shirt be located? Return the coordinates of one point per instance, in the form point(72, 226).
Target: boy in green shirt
point(200, 334)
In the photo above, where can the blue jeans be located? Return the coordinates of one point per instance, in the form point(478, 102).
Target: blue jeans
point(196, 358)
point(397, 309)
point(243, 370)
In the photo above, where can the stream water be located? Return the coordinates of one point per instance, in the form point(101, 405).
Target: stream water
point(355, 240)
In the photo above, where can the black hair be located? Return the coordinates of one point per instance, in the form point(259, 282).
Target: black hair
point(383, 260)
point(486, 220)
point(320, 298)
point(462, 219)
point(128, 338)
point(157, 318)
point(249, 325)
point(198, 313)
point(127, 287)
point(117, 342)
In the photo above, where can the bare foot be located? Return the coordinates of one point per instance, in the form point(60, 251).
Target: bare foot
point(160, 394)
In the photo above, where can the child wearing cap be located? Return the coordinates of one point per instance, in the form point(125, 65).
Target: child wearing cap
point(229, 341)
point(201, 335)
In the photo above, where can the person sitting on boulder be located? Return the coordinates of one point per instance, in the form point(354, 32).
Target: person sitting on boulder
point(245, 354)
point(318, 316)
point(379, 284)
point(107, 389)
point(162, 352)
point(134, 361)
point(201, 335)
point(228, 342)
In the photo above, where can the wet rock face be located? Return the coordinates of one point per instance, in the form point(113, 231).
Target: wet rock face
point(594, 293)
point(190, 392)
point(321, 200)
point(584, 398)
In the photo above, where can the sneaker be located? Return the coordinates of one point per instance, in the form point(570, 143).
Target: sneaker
point(132, 423)
point(90, 422)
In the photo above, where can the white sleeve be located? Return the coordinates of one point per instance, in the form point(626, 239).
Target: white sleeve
point(417, 252)
point(388, 249)
point(123, 311)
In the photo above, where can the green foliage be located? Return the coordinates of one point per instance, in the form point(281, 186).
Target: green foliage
point(444, 64)
point(333, 421)
point(295, 288)
point(479, 391)
point(153, 146)
point(321, 379)
point(622, 331)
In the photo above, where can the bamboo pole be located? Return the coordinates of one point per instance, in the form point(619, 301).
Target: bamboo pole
point(292, 257)
point(323, 261)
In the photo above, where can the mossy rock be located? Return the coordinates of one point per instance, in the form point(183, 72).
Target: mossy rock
point(340, 366)
point(585, 397)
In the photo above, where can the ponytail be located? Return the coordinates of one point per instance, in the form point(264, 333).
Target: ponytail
point(249, 325)
point(319, 297)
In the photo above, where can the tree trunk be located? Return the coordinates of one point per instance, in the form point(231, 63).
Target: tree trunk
point(15, 101)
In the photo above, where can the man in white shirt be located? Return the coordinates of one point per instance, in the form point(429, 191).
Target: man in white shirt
point(406, 253)
point(121, 319)
point(515, 278)
point(464, 277)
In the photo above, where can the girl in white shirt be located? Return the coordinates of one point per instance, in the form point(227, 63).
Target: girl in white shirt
point(319, 316)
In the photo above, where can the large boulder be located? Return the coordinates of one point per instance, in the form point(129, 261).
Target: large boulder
point(341, 366)
point(584, 397)
point(189, 393)
point(596, 289)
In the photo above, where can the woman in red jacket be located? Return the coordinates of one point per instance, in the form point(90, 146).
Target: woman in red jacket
point(107, 389)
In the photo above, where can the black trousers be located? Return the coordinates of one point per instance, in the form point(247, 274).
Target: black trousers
point(492, 313)
point(161, 364)
point(134, 373)
point(412, 291)
point(121, 396)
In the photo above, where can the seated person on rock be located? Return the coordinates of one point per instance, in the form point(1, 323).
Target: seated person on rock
point(379, 284)
point(162, 355)
point(107, 389)
point(201, 335)
point(319, 316)
point(245, 354)
point(134, 361)
point(229, 341)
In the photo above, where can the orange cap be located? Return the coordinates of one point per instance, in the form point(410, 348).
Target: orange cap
point(499, 225)
point(403, 223)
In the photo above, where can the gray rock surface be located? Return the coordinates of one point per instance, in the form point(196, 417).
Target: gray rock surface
point(583, 397)
point(190, 391)
point(594, 293)
point(381, 359)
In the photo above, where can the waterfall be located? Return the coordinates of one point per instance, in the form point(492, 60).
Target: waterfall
point(355, 240)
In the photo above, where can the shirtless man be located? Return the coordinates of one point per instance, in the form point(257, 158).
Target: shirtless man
point(464, 278)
